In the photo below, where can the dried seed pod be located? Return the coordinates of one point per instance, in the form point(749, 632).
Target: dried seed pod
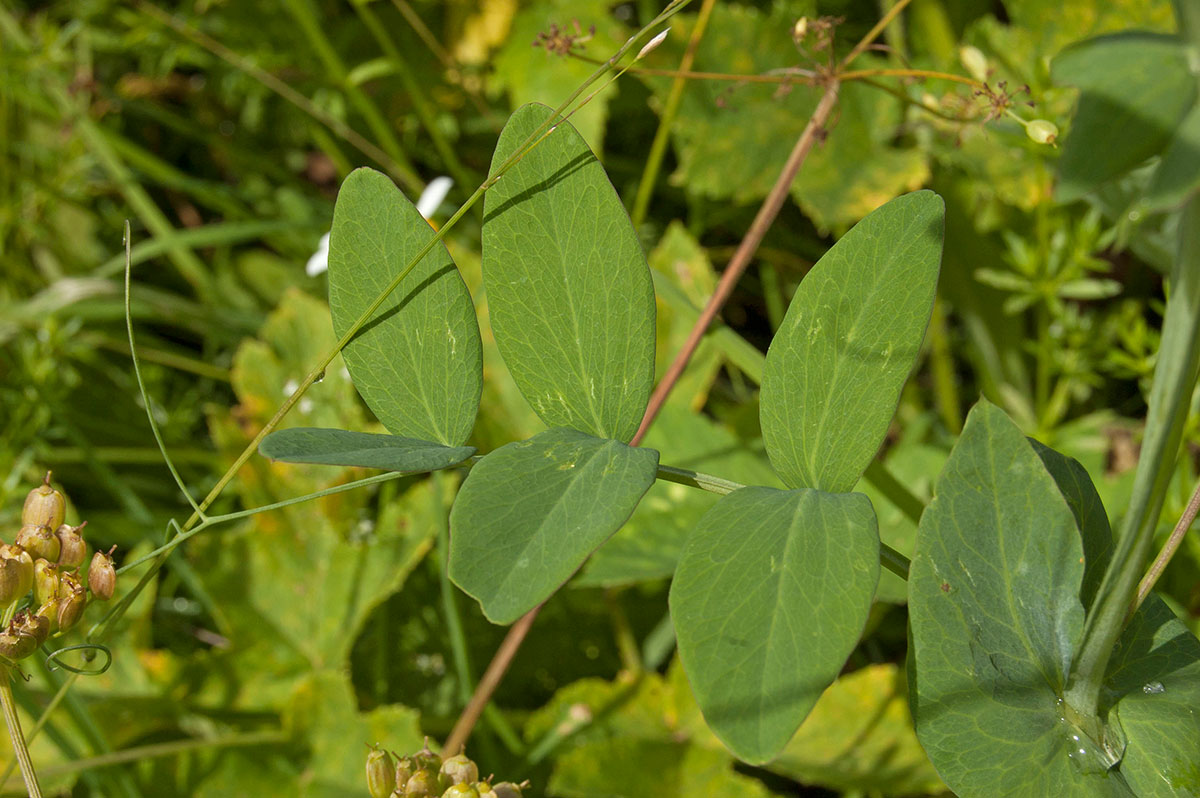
point(72, 548)
point(461, 791)
point(44, 506)
point(460, 770)
point(102, 576)
point(39, 541)
point(72, 598)
point(16, 573)
point(32, 624)
point(506, 789)
point(22, 637)
point(45, 581)
point(381, 774)
point(49, 611)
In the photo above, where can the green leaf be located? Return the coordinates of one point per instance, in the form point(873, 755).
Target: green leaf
point(570, 295)
point(417, 360)
point(363, 449)
point(994, 612)
point(770, 597)
point(1155, 671)
point(848, 342)
point(1136, 88)
point(531, 512)
point(1178, 174)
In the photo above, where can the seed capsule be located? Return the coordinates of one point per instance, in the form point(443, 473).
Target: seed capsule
point(45, 581)
point(72, 548)
point(461, 791)
point(424, 784)
point(1042, 131)
point(49, 611)
point(506, 789)
point(427, 759)
point(34, 625)
point(404, 771)
point(974, 61)
point(72, 598)
point(102, 577)
point(460, 770)
point(381, 774)
point(22, 637)
point(39, 541)
point(16, 573)
point(44, 506)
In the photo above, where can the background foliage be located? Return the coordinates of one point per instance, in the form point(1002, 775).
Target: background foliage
point(272, 650)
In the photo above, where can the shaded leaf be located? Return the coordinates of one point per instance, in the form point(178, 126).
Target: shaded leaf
point(364, 449)
point(1136, 88)
point(531, 512)
point(570, 295)
point(770, 596)
point(1178, 174)
point(417, 361)
point(835, 369)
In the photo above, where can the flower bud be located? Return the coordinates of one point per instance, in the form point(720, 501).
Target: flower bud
point(44, 506)
point(102, 577)
point(72, 598)
point(39, 541)
point(974, 61)
point(460, 770)
point(381, 774)
point(461, 791)
point(424, 784)
point(45, 581)
point(1042, 131)
point(16, 573)
point(72, 548)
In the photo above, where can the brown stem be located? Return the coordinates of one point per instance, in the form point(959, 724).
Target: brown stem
point(1168, 550)
point(741, 258)
point(490, 681)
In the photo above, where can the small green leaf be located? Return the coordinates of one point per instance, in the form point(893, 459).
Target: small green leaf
point(364, 449)
point(417, 361)
point(994, 612)
point(770, 597)
point(848, 342)
point(531, 512)
point(1136, 89)
point(570, 295)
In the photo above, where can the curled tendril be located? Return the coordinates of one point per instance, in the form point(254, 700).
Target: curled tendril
point(53, 664)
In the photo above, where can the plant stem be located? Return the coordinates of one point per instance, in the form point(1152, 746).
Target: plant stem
point(941, 363)
point(658, 147)
point(1168, 551)
point(13, 722)
point(741, 258)
point(1174, 379)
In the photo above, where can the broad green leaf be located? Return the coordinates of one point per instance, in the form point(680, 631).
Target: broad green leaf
point(770, 597)
point(1178, 174)
point(363, 449)
point(648, 546)
point(1136, 88)
point(848, 342)
point(416, 362)
point(531, 512)
point(994, 612)
point(1155, 675)
point(1058, 24)
point(570, 295)
point(859, 738)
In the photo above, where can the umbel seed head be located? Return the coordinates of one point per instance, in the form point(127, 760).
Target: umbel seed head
point(102, 576)
point(381, 774)
point(44, 506)
point(16, 573)
point(72, 548)
point(39, 541)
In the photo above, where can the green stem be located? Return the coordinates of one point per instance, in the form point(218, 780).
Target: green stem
point(658, 147)
point(941, 363)
point(14, 732)
point(172, 748)
point(1174, 379)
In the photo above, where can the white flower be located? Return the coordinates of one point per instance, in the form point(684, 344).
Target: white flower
point(431, 199)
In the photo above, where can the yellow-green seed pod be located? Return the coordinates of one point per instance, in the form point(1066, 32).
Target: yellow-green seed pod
point(16, 573)
point(72, 599)
point(36, 626)
point(381, 774)
point(49, 611)
point(16, 646)
point(102, 576)
point(404, 771)
point(424, 784)
point(460, 770)
point(45, 581)
point(40, 542)
point(506, 789)
point(72, 548)
point(461, 791)
point(426, 758)
point(44, 506)
point(1042, 131)
point(485, 789)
